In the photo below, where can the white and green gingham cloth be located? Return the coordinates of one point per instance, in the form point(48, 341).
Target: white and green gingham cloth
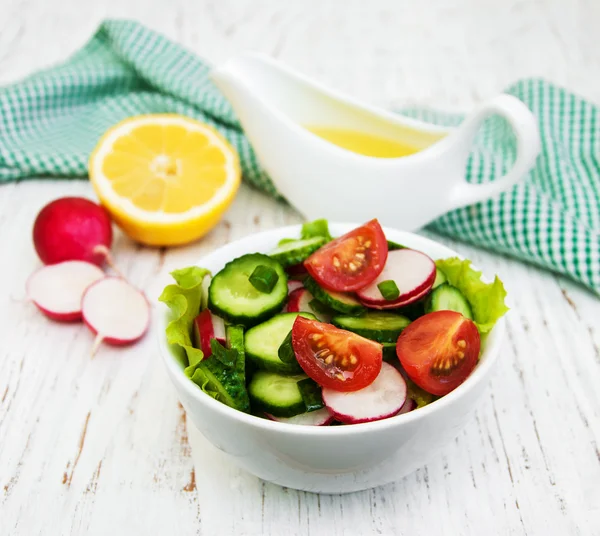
point(51, 121)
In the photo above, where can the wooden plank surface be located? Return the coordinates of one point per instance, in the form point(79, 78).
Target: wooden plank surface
point(102, 446)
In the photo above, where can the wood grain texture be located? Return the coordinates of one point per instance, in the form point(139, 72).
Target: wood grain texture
point(102, 446)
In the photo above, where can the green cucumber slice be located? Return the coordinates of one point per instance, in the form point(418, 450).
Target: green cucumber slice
point(375, 325)
point(448, 298)
point(276, 394)
point(233, 297)
point(440, 277)
point(262, 343)
point(296, 251)
point(342, 302)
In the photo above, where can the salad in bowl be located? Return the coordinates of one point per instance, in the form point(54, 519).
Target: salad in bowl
point(331, 332)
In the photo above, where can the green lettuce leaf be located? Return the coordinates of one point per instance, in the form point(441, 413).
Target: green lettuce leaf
point(315, 228)
point(221, 377)
point(486, 299)
point(310, 229)
point(420, 396)
point(184, 299)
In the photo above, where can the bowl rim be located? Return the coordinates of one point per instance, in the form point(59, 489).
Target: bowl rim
point(176, 373)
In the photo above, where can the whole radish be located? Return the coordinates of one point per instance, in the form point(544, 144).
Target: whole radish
point(72, 228)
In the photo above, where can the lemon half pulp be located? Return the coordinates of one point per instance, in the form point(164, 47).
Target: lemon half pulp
point(166, 179)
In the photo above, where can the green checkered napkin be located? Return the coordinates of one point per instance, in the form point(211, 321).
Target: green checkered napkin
point(50, 122)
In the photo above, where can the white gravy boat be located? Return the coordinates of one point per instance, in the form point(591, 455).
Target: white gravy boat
point(323, 180)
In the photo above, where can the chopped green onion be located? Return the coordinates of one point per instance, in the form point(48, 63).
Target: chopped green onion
point(316, 228)
point(286, 350)
point(394, 245)
point(264, 278)
point(311, 394)
point(389, 289)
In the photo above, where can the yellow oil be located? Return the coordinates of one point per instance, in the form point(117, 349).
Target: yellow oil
point(363, 143)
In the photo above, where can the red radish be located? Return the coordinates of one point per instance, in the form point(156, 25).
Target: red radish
point(293, 285)
point(72, 228)
point(207, 327)
point(381, 399)
point(299, 302)
point(409, 405)
point(57, 289)
point(320, 417)
point(412, 271)
point(115, 311)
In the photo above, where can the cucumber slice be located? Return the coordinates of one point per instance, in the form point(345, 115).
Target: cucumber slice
point(263, 342)
point(448, 298)
point(342, 302)
point(440, 277)
point(296, 251)
point(276, 394)
point(375, 325)
point(233, 297)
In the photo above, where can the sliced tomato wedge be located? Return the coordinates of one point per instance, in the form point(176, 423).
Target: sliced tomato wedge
point(335, 358)
point(438, 351)
point(351, 261)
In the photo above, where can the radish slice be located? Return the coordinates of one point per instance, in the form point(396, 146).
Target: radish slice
point(412, 271)
point(207, 327)
point(57, 289)
point(381, 399)
point(299, 302)
point(115, 311)
point(294, 285)
point(409, 405)
point(320, 417)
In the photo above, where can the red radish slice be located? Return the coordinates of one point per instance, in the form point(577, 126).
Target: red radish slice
point(412, 271)
point(299, 302)
point(207, 327)
point(57, 289)
point(294, 285)
point(115, 311)
point(73, 228)
point(320, 417)
point(379, 400)
point(409, 405)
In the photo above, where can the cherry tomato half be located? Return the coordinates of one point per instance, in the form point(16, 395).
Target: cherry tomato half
point(351, 261)
point(335, 358)
point(439, 350)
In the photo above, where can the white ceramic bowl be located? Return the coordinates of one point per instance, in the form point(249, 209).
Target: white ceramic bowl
point(338, 459)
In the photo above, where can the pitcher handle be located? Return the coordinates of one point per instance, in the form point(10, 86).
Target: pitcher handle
point(525, 127)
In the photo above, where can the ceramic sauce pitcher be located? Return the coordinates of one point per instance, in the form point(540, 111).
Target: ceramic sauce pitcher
point(333, 157)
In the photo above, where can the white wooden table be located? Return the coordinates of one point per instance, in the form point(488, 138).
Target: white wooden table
point(102, 447)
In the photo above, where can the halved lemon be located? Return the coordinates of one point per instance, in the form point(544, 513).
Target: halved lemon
point(166, 179)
